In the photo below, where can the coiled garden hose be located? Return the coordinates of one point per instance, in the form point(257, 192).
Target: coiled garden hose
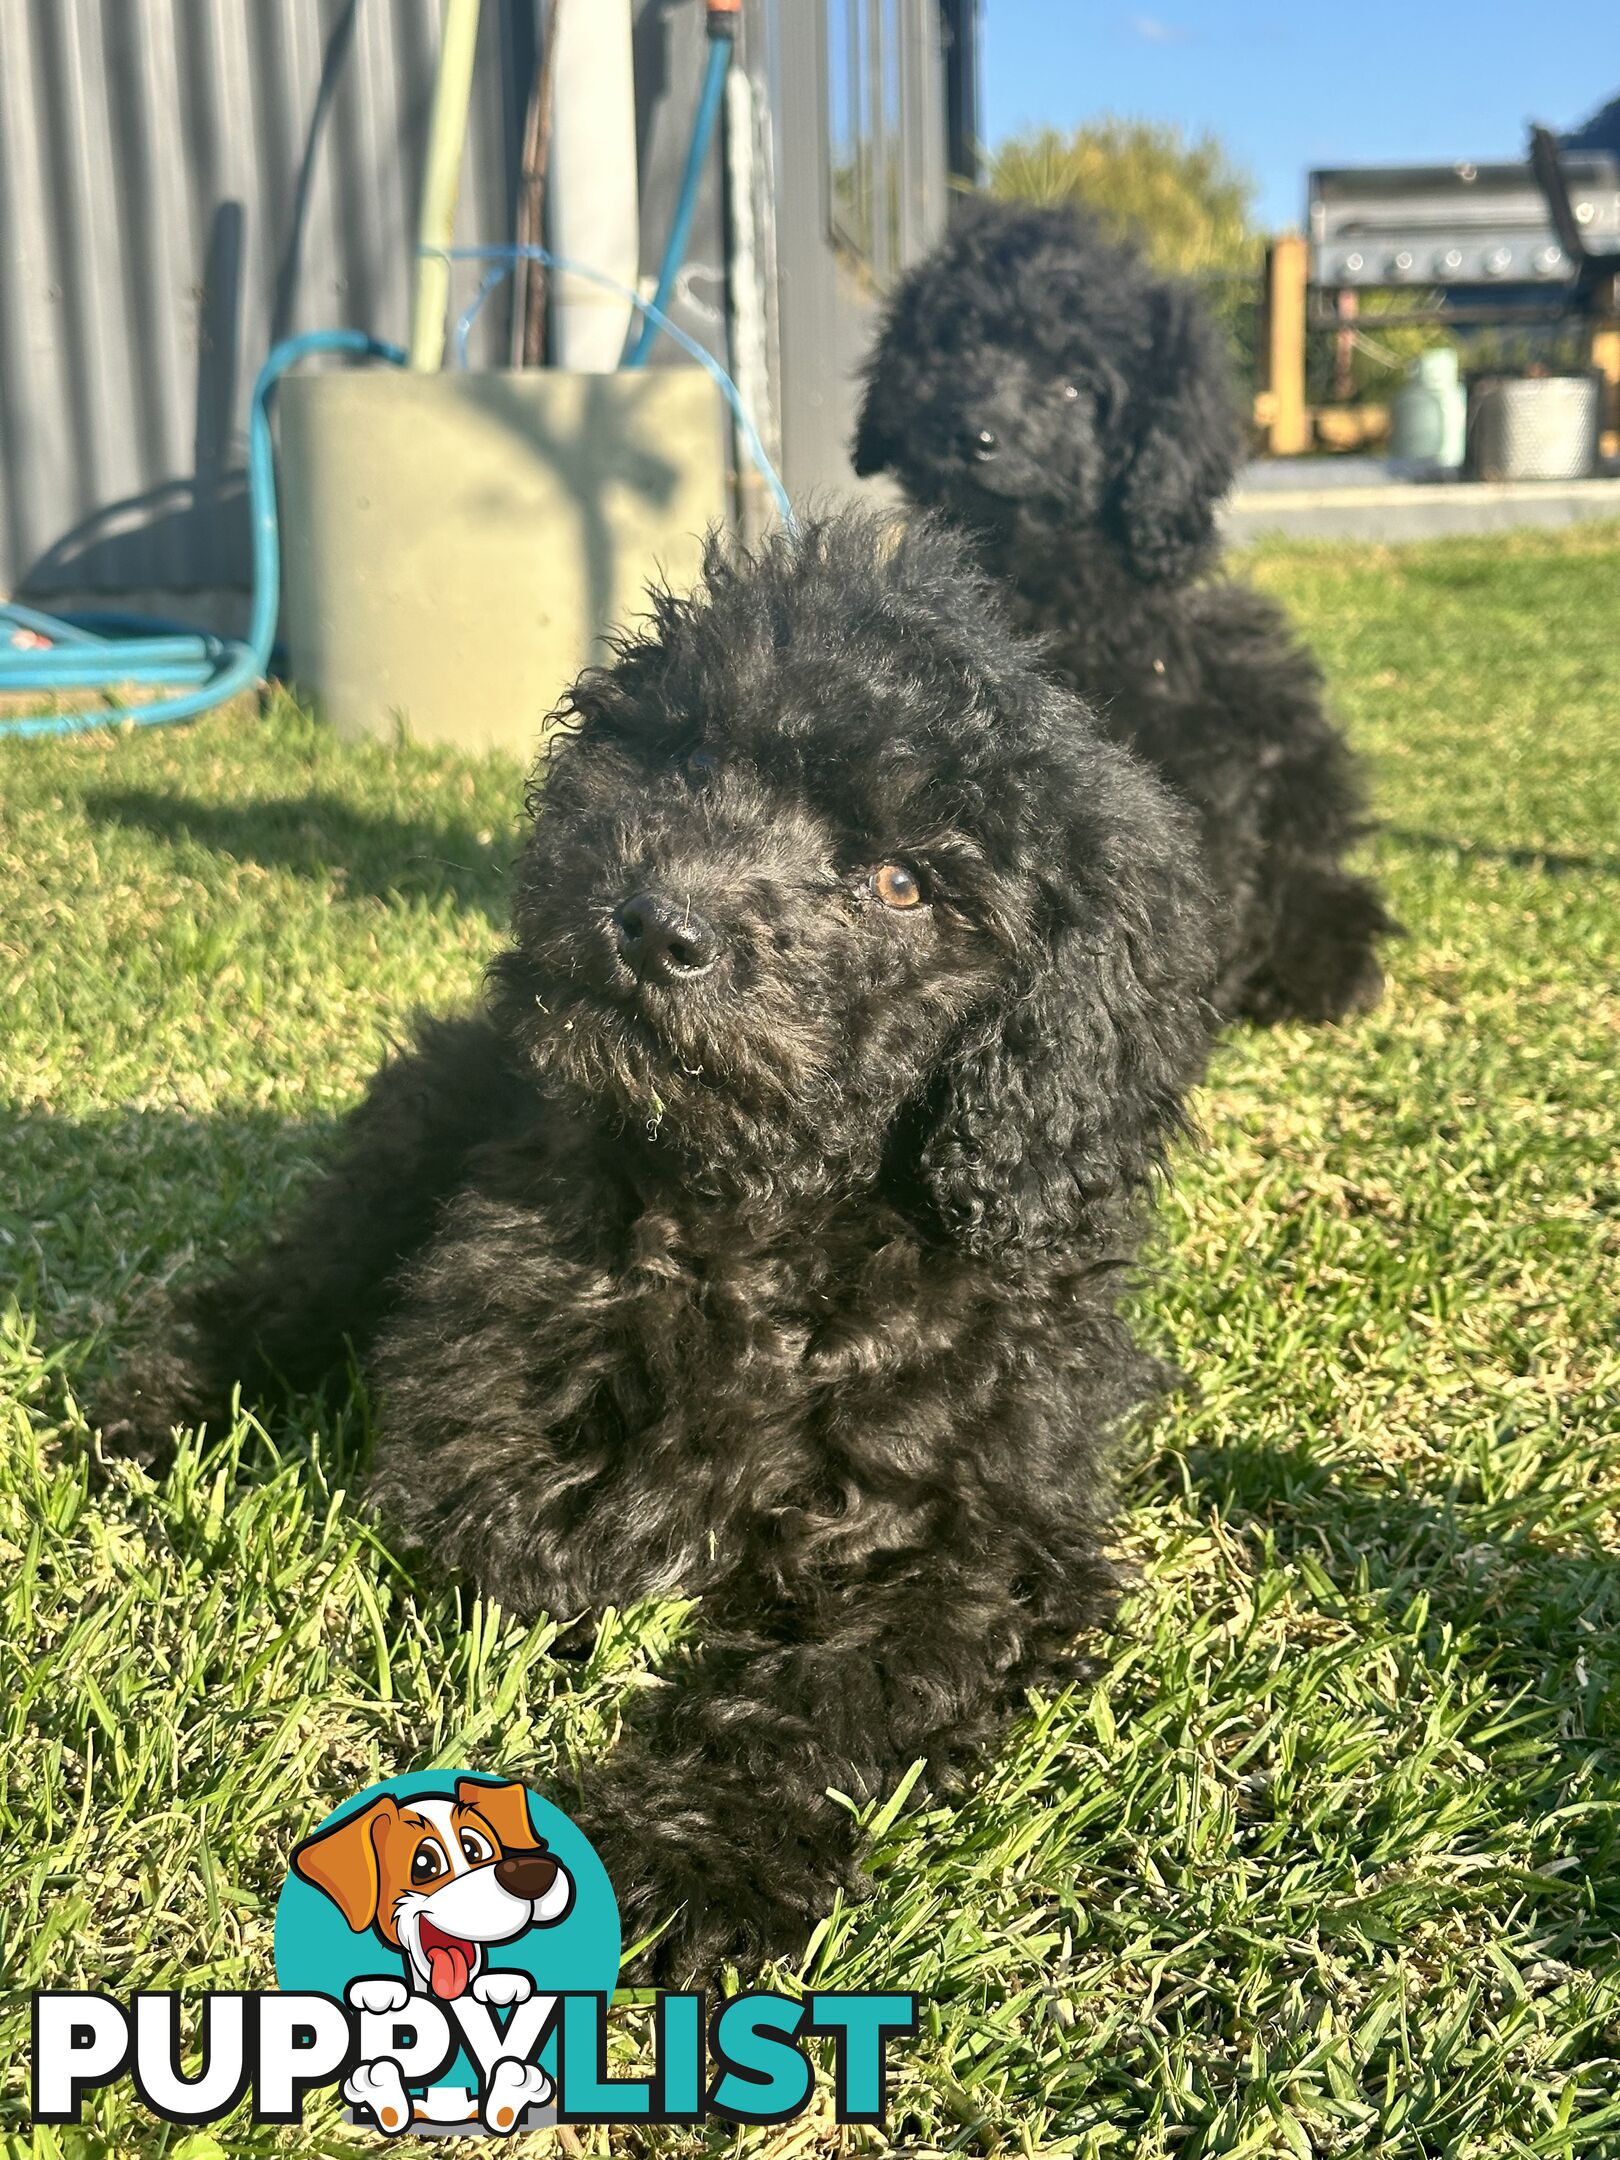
point(77, 657)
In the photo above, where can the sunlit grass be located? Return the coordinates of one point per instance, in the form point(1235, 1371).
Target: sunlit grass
point(1325, 1861)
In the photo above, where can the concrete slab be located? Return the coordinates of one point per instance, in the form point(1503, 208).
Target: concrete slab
point(1358, 498)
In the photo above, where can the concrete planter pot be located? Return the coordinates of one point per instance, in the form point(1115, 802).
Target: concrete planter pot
point(456, 547)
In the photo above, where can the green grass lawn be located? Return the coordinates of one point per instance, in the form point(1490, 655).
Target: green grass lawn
point(1327, 1862)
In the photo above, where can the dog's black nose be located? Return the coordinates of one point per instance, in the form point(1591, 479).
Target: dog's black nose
point(663, 942)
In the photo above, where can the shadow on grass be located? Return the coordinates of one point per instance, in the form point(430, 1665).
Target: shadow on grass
point(98, 1216)
point(321, 836)
point(1522, 1576)
point(100, 1219)
point(1520, 858)
point(94, 1199)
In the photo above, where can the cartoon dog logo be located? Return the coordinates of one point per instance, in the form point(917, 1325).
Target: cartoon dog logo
point(439, 1878)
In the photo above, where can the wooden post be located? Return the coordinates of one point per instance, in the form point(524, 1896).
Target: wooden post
point(1606, 359)
point(1289, 423)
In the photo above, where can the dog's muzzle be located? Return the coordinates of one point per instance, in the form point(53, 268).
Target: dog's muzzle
point(662, 942)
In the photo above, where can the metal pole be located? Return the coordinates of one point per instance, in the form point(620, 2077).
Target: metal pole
point(591, 193)
point(531, 285)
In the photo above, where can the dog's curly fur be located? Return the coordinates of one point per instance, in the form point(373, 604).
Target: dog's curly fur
point(792, 1282)
point(1073, 411)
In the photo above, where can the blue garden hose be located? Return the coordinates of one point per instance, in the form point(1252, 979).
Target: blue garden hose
point(79, 658)
point(722, 31)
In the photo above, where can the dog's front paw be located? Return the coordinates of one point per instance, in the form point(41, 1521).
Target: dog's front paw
point(500, 1989)
point(380, 2090)
point(377, 1996)
point(701, 1918)
point(706, 1877)
point(513, 2088)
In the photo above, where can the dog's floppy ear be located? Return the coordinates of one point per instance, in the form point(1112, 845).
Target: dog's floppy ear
point(1059, 1100)
point(504, 1807)
point(343, 1862)
point(1183, 442)
point(895, 372)
point(878, 430)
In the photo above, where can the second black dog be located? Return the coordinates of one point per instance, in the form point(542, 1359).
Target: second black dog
point(1074, 413)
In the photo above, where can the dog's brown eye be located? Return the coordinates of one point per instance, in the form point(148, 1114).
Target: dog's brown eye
point(898, 887)
point(475, 1849)
point(1068, 393)
point(427, 1862)
point(702, 765)
point(986, 444)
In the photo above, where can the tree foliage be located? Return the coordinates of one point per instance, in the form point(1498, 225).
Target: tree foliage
point(1186, 203)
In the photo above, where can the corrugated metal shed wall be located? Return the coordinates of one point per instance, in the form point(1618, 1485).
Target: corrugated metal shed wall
point(182, 182)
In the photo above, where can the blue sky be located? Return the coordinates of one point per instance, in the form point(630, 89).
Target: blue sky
point(1288, 87)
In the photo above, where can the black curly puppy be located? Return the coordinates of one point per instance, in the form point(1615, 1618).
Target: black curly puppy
point(761, 1239)
point(1074, 412)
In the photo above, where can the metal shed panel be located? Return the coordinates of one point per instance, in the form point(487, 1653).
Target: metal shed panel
point(182, 183)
